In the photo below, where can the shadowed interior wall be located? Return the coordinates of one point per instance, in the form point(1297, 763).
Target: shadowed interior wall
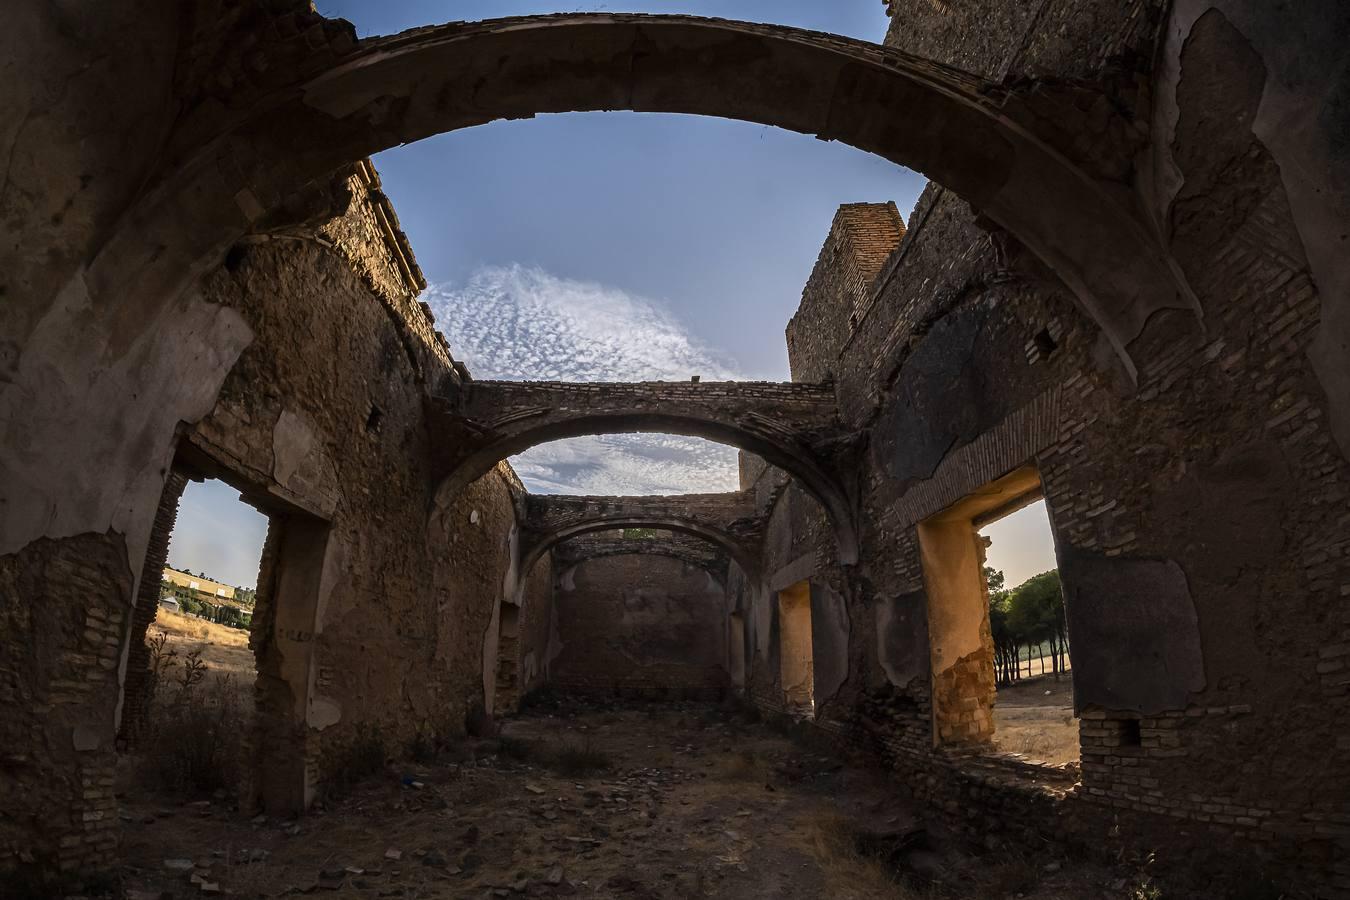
point(1189, 506)
point(527, 639)
point(736, 650)
point(639, 625)
point(312, 406)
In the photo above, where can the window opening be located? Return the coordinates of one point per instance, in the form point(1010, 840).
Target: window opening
point(999, 643)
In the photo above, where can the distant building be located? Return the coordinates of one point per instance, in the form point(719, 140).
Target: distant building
point(168, 603)
point(204, 586)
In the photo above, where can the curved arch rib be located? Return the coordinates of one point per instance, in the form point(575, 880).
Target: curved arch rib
point(796, 460)
point(535, 549)
point(956, 129)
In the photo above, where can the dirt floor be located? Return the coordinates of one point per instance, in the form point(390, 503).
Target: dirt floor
point(668, 801)
point(1035, 717)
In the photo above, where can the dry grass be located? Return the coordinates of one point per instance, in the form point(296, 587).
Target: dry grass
point(569, 758)
point(1034, 717)
point(193, 743)
point(1053, 740)
point(848, 871)
point(224, 651)
point(201, 706)
point(743, 765)
point(575, 760)
point(182, 627)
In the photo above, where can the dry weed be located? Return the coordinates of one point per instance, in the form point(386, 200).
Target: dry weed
point(193, 738)
point(849, 873)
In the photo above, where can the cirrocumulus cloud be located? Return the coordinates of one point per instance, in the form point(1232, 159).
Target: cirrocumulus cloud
point(521, 323)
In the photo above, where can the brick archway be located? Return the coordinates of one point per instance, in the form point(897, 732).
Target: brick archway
point(996, 147)
point(694, 551)
point(792, 426)
point(738, 553)
point(727, 521)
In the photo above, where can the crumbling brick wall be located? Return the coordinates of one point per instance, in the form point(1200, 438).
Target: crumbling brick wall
point(640, 626)
point(836, 297)
point(799, 545)
point(320, 417)
point(65, 609)
point(136, 685)
point(1198, 496)
point(525, 641)
point(329, 367)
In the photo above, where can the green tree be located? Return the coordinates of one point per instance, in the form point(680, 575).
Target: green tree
point(1006, 644)
point(1036, 616)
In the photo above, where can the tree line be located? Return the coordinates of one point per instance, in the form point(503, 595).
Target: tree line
point(191, 602)
point(1026, 618)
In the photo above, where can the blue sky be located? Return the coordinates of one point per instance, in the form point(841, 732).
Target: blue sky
point(624, 246)
point(605, 246)
point(1020, 544)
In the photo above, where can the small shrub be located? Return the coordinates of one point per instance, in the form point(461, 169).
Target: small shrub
point(194, 670)
point(850, 870)
point(161, 661)
point(569, 759)
point(194, 742)
point(518, 749)
point(1144, 887)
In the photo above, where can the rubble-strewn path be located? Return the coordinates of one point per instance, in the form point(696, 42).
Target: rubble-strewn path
point(695, 802)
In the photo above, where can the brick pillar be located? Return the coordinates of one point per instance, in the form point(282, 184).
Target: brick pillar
point(249, 791)
point(136, 687)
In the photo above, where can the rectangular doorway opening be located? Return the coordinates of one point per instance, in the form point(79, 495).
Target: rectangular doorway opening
point(736, 652)
point(188, 698)
point(1034, 710)
point(999, 644)
point(794, 647)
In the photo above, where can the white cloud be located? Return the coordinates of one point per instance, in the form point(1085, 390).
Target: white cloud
point(628, 464)
point(516, 322)
point(522, 323)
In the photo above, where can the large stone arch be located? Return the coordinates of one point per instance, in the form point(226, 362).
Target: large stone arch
point(693, 551)
point(737, 552)
point(727, 521)
point(740, 554)
point(791, 426)
point(981, 140)
point(814, 479)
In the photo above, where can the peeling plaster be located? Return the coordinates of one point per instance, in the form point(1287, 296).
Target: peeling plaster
point(80, 458)
point(1306, 94)
point(902, 637)
point(300, 462)
point(512, 579)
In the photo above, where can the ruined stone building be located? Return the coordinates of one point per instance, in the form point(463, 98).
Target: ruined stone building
point(1125, 290)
